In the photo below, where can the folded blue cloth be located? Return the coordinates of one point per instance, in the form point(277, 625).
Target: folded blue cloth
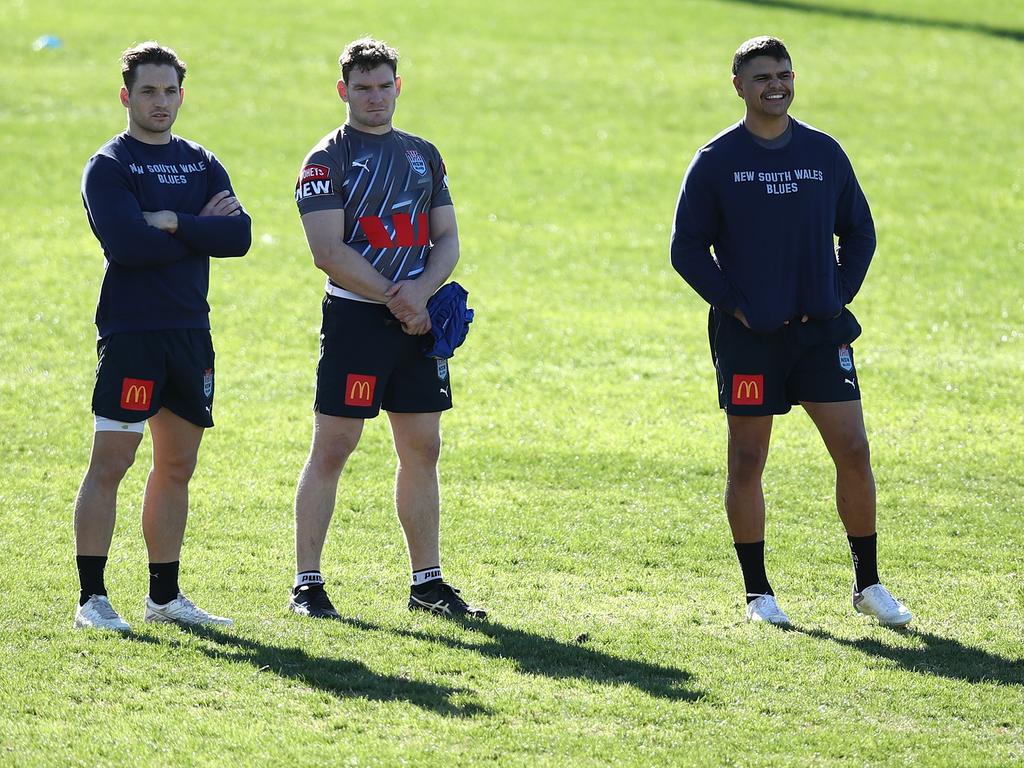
point(449, 321)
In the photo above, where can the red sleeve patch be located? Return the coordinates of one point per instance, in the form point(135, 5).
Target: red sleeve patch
point(314, 180)
point(314, 171)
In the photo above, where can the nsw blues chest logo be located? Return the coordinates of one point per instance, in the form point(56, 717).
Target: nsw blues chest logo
point(416, 161)
point(780, 182)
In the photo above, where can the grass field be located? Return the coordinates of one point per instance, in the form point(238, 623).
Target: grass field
point(583, 463)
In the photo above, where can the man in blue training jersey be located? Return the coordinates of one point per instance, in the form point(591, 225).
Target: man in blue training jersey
point(380, 223)
point(767, 195)
point(160, 207)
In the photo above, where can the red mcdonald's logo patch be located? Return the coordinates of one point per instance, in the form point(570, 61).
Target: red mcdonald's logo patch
point(136, 394)
point(359, 389)
point(748, 389)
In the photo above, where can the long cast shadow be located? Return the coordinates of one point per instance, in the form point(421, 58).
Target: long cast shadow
point(545, 656)
point(343, 678)
point(939, 656)
point(1017, 35)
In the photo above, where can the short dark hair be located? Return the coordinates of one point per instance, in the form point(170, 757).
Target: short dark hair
point(150, 52)
point(367, 53)
point(759, 46)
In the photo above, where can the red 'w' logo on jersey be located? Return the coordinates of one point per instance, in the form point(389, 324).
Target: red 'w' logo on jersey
point(405, 234)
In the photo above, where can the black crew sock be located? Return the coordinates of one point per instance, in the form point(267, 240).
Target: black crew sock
point(90, 576)
point(755, 580)
point(163, 582)
point(865, 560)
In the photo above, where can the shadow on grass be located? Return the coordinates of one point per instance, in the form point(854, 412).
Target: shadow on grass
point(342, 678)
point(545, 656)
point(939, 656)
point(863, 14)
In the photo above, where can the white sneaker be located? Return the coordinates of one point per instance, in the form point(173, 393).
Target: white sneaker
point(765, 608)
point(878, 602)
point(181, 610)
point(98, 613)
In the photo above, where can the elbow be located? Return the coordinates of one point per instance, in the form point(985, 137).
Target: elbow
point(242, 239)
point(677, 257)
point(245, 241)
point(447, 244)
point(676, 261)
point(452, 257)
point(323, 260)
point(235, 247)
point(121, 254)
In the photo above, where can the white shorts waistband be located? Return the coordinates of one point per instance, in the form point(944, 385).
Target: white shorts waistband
point(341, 293)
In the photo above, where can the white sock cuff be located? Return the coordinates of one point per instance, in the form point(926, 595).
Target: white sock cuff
point(308, 577)
point(427, 574)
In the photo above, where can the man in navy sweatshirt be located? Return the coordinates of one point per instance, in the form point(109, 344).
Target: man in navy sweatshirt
point(160, 206)
point(753, 235)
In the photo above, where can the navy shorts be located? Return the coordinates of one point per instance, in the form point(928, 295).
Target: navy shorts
point(141, 372)
point(761, 374)
point(367, 362)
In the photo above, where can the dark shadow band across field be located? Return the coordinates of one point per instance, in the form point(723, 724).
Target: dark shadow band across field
point(544, 656)
point(863, 14)
point(937, 655)
point(534, 655)
point(343, 678)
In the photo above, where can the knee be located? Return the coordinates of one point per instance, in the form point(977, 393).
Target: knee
point(855, 453)
point(421, 449)
point(177, 469)
point(746, 461)
point(109, 470)
point(328, 456)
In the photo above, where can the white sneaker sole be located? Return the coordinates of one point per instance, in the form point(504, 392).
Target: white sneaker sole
point(80, 624)
point(900, 622)
point(159, 618)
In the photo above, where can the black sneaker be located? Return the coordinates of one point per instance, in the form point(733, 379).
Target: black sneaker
point(443, 599)
point(312, 600)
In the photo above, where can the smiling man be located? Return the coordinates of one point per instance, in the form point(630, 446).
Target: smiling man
point(380, 224)
point(754, 232)
point(160, 207)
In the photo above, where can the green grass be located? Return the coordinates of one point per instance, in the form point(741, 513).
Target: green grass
point(583, 465)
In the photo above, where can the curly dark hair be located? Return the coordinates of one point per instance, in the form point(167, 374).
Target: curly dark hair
point(759, 46)
point(366, 53)
point(150, 52)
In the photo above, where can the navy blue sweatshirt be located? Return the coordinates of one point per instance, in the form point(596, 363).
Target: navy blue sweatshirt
point(770, 216)
point(154, 280)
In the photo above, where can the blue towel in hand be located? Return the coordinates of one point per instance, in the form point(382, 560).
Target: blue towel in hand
point(449, 321)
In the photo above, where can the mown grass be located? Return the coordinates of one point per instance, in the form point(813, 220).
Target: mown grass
point(583, 463)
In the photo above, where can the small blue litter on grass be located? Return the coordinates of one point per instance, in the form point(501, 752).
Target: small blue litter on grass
point(47, 42)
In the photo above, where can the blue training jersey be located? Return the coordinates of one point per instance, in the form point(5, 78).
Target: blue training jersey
point(154, 280)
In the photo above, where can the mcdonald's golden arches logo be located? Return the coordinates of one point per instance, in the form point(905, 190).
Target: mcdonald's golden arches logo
point(136, 394)
point(747, 389)
point(359, 389)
